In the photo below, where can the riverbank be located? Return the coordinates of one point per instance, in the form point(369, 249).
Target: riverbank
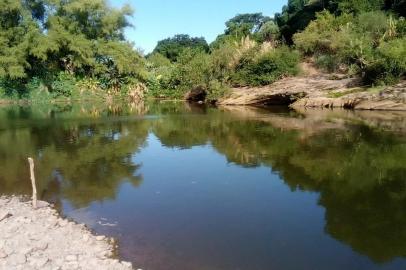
point(40, 239)
point(315, 121)
point(321, 91)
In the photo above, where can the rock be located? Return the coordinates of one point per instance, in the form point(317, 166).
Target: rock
point(127, 264)
point(39, 262)
point(40, 247)
point(42, 204)
point(71, 258)
point(71, 265)
point(62, 222)
point(86, 238)
point(4, 215)
point(320, 92)
point(32, 239)
point(17, 259)
point(100, 237)
point(3, 254)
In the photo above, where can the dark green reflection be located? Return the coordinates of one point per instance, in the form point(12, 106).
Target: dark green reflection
point(356, 164)
point(82, 160)
point(356, 161)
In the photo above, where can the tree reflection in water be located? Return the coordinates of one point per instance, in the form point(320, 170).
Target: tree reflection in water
point(356, 164)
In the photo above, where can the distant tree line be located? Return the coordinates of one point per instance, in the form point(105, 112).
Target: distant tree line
point(77, 48)
point(364, 38)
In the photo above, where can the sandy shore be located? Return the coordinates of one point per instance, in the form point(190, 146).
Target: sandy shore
point(40, 239)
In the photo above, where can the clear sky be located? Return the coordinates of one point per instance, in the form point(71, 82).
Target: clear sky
point(158, 19)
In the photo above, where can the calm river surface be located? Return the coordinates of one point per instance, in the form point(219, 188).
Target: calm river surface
point(197, 188)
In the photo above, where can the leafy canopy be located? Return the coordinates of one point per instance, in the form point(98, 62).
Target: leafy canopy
point(172, 47)
point(82, 37)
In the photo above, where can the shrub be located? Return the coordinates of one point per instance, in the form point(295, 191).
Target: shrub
point(394, 54)
point(12, 89)
point(371, 43)
point(326, 62)
point(63, 85)
point(216, 90)
point(389, 64)
point(192, 69)
point(222, 61)
point(319, 36)
point(265, 68)
point(373, 24)
point(401, 27)
point(37, 91)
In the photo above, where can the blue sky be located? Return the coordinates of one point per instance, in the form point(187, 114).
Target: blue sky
point(158, 19)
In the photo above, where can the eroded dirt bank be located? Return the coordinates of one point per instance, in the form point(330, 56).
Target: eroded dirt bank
point(321, 91)
point(39, 239)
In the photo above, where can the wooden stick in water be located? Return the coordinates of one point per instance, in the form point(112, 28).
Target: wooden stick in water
point(34, 187)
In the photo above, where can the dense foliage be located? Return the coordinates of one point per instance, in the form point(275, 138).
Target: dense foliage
point(77, 49)
point(53, 43)
point(256, 25)
point(297, 14)
point(372, 44)
point(171, 48)
point(247, 54)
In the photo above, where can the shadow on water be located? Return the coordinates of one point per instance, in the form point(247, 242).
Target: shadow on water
point(195, 187)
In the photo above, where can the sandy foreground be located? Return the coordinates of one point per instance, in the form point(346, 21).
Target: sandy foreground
point(40, 239)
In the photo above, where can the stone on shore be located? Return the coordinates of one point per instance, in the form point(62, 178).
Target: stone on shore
point(320, 92)
point(39, 239)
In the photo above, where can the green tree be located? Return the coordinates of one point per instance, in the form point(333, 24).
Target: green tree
point(41, 38)
point(255, 25)
point(172, 47)
point(245, 24)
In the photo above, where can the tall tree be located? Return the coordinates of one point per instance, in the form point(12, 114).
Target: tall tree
point(242, 25)
point(82, 37)
point(173, 47)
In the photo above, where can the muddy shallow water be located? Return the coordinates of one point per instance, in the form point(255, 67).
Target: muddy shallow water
point(186, 187)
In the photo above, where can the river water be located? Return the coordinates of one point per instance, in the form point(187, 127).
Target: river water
point(201, 188)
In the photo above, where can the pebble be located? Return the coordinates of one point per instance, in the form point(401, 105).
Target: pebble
point(127, 264)
point(39, 262)
point(71, 258)
point(86, 237)
point(40, 247)
point(42, 204)
point(17, 259)
point(100, 237)
point(3, 254)
point(63, 222)
point(71, 265)
point(39, 239)
point(4, 215)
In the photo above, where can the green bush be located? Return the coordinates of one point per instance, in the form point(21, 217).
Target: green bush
point(394, 54)
point(401, 27)
point(37, 91)
point(370, 43)
point(216, 90)
point(192, 69)
point(389, 64)
point(326, 62)
point(63, 85)
point(265, 68)
point(321, 36)
point(221, 61)
point(373, 24)
point(12, 89)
